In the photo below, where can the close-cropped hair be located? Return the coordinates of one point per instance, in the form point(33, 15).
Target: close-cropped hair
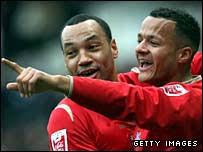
point(187, 28)
point(83, 17)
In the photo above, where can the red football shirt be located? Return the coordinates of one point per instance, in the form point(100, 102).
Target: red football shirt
point(73, 127)
point(172, 112)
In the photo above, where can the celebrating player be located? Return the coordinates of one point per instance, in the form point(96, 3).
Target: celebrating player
point(165, 101)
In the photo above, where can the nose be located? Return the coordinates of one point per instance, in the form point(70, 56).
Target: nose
point(141, 47)
point(84, 58)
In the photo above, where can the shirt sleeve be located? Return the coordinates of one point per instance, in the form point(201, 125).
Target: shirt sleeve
point(57, 130)
point(66, 130)
point(148, 106)
point(131, 77)
point(70, 86)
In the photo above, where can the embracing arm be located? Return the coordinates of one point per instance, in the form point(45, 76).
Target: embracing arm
point(175, 104)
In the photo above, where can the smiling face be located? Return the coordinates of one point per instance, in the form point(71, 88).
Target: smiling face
point(87, 51)
point(156, 51)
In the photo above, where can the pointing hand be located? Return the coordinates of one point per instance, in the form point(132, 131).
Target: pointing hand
point(30, 80)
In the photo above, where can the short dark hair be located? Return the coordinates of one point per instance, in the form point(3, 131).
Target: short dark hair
point(83, 17)
point(187, 28)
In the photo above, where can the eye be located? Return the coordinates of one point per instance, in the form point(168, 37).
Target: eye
point(71, 53)
point(139, 41)
point(153, 43)
point(93, 47)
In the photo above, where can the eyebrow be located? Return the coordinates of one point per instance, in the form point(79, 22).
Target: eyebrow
point(92, 37)
point(150, 36)
point(68, 44)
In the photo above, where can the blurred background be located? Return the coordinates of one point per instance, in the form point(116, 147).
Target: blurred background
point(30, 36)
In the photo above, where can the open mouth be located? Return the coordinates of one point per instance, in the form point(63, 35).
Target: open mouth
point(88, 73)
point(145, 65)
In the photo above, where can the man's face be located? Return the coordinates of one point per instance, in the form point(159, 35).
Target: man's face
point(87, 52)
point(156, 51)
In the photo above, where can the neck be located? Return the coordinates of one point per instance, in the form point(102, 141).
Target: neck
point(114, 76)
point(183, 74)
point(183, 77)
point(180, 77)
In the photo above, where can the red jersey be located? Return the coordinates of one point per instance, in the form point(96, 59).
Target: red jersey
point(73, 127)
point(169, 113)
point(196, 64)
point(69, 124)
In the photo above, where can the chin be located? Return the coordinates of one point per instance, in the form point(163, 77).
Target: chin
point(144, 78)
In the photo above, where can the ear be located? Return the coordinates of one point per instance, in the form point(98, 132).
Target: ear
point(114, 49)
point(184, 55)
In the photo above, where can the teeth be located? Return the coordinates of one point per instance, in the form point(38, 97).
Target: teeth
point(89, 72)
point(144, 64)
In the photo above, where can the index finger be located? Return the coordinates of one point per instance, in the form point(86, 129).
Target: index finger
point(13, 65)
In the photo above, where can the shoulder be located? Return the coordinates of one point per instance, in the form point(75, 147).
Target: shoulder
point(61, 113)
point(196, 64)
point(193, 87)
point(66, 102)
point(65, 115)
point(68, 108)
point(129, 77)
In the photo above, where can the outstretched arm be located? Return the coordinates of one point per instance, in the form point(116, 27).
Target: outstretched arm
point(31, 81)
point(161, 107)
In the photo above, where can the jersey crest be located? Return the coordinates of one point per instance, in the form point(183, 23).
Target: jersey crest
point(59, 140)
point(174, 90)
